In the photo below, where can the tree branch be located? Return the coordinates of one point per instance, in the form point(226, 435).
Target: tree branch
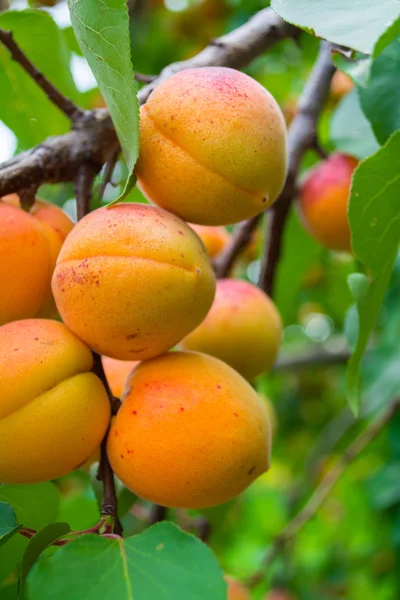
point(59, 158)
point(312, 358)
point(93, 138)
point(109, 505)
point(240, 239)
point(69, 109)
point(235, 49)
point(83, 184)
point(302, 136)
point(323, 490)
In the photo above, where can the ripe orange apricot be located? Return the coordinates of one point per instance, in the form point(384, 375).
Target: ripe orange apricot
point(323, 201)
point(117, 372)
point(191, 432)
point(341, 84)
point(243, 328)
point(212, 146)
point(214, 238)
point(132, 280)
point(236, 590)
point(53, 411)
point(29, 245)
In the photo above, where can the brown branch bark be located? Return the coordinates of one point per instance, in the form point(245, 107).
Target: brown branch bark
point(83, 184)
point(302, 136)
point(323, 490)
point(311, 358)
point(235, 49)
point(93, 138)
point(58, 159)
point(240, 239)
point(70, 109)
point(109, 505)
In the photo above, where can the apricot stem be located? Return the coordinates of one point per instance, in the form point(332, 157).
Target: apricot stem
point(109, 504)
point(70, 110)
point(83, 188)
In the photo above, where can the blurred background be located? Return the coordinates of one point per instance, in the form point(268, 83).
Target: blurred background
point(351, 548)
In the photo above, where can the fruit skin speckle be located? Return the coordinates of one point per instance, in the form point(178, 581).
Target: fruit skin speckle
point(216, 126)
point(129, 284)
point(197, 448)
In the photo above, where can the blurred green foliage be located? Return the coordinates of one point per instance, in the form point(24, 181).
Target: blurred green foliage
point(351, 548)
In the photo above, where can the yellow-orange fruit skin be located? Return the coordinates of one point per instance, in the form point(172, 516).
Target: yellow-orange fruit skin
point(24, 264)
point(323, 201)
point(243, 328)
point(29, 245)
point(191, 432)
point(212, 146)
point(132, 280)
point(117, 372)
point(57, 225)
point(53, 411)
point(214, 238)
point(236, 590)
point(341, 84)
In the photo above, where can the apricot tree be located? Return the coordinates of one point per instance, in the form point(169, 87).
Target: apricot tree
point(139, 345)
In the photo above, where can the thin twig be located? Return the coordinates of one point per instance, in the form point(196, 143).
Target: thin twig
point(323, 490)
point(157, 513)
point(142, 78)
point(312, 358)
point(235, 49)
point(83, 184)
point(68, 107)
point(108, 172)
point(109, 504)
point(301, 137)
point(240, 239)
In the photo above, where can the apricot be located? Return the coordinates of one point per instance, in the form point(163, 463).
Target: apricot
point(53, 411)
point(323, 201)
point(341, 85)
point(214, 238)
point(132, 280)
point(236, 590)
point(243, 328)
point(191, 432)
point(29, 245)
point(212, 146)
point(117, 372)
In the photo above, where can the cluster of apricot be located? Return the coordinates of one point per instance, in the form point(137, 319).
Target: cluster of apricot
point(132, 281)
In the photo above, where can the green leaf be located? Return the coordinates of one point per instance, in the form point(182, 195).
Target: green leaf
point(39, 542)
point(374, 215)
point(102, 30)
point(380, 99)
point(163, 562)
point(24, 107)
point(8, 523)
point(350, 131)
point(359, 24)
point(299, 253)
point(35, 505)
point(358, 284)
point(387, 38)
point(79, 511)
